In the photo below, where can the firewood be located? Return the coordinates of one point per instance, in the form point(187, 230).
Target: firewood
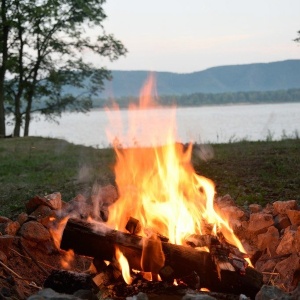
point(133, 226)
point(84, 239)
point(68, 282)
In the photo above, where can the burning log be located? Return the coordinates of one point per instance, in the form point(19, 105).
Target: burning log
point(181, 261)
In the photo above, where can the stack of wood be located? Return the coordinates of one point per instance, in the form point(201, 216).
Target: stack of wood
point(222, 269)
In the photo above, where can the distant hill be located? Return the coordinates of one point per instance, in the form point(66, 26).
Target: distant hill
point(272, 76)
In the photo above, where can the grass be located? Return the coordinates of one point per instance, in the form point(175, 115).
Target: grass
point(251, 172)
point(255, 172)
point(38, 166)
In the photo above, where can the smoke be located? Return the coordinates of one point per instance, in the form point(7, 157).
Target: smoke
point(203, 151)
point(84, 174)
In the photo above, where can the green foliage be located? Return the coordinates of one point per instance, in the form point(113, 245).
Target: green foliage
point(200, 99)
point(47, 40)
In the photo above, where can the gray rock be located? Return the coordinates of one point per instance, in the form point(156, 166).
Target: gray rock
point(139, 296)
point(197, 297)
point(282, 222)
point(49, 294)
point(268, 292)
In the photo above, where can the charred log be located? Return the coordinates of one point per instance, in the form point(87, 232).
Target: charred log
point(183, 261)
point(68, 282)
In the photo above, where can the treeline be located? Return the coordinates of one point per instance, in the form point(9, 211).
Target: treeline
point(200, 99)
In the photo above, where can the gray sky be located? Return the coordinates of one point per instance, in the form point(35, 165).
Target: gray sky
point(193, 35)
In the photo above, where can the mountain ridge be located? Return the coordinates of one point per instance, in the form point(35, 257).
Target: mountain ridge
point(279, 75)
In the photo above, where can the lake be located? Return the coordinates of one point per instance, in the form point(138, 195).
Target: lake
point(210, 124)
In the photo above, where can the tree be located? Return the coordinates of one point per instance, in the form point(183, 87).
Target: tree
point(4, 31)
point(298, 38)
point(47, 39)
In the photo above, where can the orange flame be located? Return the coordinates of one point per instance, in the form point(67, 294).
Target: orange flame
point(67, 259)
point(124, 266)
point(156, 181)
point(57, 230)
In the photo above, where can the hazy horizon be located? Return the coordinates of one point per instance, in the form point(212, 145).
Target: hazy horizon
point(133, 70)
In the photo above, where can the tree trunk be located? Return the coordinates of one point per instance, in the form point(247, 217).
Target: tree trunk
point(28, 111)
point(30, 93)
point(18, 122)
point(83, 238)
point(19, 95)
point(27, 119)
point(3, 67)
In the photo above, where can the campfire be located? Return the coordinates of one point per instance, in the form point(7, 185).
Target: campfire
point(163, 230)
point(163, 223)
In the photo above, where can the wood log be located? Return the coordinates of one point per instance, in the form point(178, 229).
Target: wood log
point(86, 240)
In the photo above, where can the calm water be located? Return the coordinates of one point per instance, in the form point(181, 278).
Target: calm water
point(215, 124)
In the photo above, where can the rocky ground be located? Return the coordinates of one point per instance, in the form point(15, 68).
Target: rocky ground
point(29, 254)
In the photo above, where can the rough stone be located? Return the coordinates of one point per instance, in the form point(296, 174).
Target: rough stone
point(198, 297)
point(287, 243)
point(282, 222)
point(108, 194)
point(296, 293)
point(267, 266)
point(77, 208)
point(4, 219)
point(3, 257)
point(268, 240)
point(294, 216)
point(22, 218)
point(41, 212)
point(254, 208)
point(10, 227)
point(233, 214)
point(5, 243)
point(35, 231)
point(34, 203)
point(268, 292)
point(49, 294)
point(268, 209)
point(102, 197)
point(297, 240)
point(54, 200)
point(287, 267)
point(259, 223)
point(139, 296)
point(296, 280)
point(281, 207)
point(224, 201)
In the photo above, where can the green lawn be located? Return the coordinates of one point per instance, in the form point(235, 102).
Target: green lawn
point(251, 172)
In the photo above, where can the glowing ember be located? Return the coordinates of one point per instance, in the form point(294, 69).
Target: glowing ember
point(157, 183)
